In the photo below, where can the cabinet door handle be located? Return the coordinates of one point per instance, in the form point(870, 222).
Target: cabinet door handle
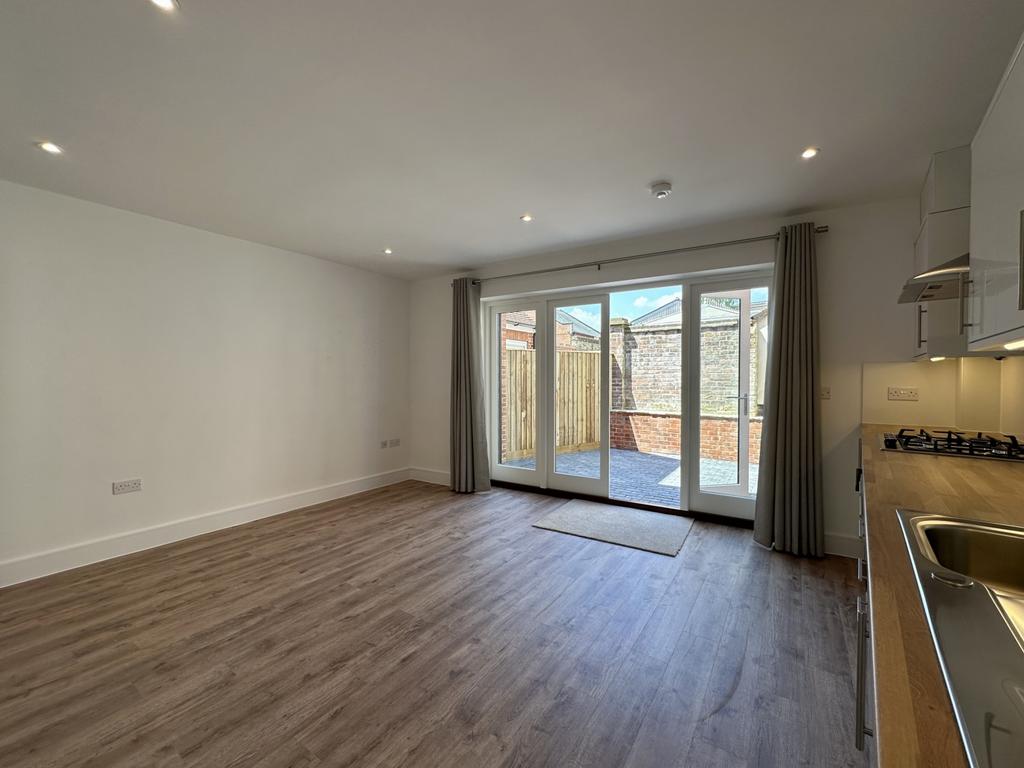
point(921, 341)
point(860, 728)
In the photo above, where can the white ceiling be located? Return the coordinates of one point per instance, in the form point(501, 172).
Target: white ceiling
point(336, 128)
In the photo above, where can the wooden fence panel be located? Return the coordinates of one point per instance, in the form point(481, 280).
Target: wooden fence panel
point(577, 402)
point(521, 419)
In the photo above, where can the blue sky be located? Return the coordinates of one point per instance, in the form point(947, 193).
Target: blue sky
point(633, 304)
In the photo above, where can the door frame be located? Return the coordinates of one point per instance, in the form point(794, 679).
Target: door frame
point(524, 476)
point(729, 505)
point(564, 482)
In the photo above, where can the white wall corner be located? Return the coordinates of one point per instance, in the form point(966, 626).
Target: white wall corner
point(40, 564)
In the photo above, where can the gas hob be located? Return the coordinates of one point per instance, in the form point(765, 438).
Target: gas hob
point(949, 442)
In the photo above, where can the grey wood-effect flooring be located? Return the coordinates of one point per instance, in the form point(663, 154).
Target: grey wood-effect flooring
point(411, 626)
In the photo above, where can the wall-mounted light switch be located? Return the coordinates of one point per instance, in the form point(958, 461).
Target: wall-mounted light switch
point(826, 392)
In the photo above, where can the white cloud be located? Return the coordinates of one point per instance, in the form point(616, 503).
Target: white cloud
point(590, 318)
point(641, 301)
point(661, 301)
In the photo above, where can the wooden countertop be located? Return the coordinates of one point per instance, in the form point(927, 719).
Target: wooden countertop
point(914, 723)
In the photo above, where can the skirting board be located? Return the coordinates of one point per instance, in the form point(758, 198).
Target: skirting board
point(435, 476)
point(65, 558)
point(41, 564)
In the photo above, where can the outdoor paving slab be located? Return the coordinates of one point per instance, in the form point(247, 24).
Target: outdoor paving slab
point(647, 478)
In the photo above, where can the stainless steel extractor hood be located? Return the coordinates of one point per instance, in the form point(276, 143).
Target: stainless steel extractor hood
point(941, 282)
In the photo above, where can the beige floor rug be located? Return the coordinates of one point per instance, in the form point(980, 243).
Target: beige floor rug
point(651, 531)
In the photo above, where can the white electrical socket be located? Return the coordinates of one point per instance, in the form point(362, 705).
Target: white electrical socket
point(394, 442)
point(826, 392)
point(126, 486)
point(383, 443)
point(908, 394)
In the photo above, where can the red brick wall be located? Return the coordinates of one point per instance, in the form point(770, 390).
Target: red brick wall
point(516, 335)
point(718, 438)
point(647, 432)
point(659, 433)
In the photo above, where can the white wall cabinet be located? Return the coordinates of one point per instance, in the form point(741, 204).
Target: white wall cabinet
point(945, 205)
point(997, 194)
point(948, 183)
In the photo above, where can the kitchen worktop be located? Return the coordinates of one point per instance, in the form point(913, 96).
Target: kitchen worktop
point(914, 723)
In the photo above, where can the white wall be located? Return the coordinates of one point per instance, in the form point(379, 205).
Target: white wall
point(979, 394)
point(964, 393)
point(1012, 404)
point(863, 262)
point(219, 371)
point(430, 333)
point(936, 384)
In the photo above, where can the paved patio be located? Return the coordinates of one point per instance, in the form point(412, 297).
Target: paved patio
point(649, 478)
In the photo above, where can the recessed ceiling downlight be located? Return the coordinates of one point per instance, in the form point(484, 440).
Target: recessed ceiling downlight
point(388, 251)
point(165, 5)
point(49, 146)
point(527, 217)
point(810, 152)
point(661, 189)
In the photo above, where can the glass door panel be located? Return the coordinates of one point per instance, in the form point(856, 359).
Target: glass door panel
point(516, 413)
point(517, 389)
point(730, 341)
point(721, 391)
point(645, 431)
point(579, 395)
point(758, 375)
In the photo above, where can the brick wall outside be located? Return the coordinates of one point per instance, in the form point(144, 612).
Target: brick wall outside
point(719, 350)
point(566, 340)
point(647, 432)
point(645, 368)
point(718, 438)
point(659, 433)
point(645, 381)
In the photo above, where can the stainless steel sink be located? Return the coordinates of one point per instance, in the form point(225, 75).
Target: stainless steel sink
point(970, 575)
point(989, 553)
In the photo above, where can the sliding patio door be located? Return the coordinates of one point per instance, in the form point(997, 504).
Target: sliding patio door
point(729, 342)
point(577, 390)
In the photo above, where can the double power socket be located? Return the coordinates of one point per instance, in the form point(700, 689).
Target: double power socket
point(126, 486)
point(394, 442)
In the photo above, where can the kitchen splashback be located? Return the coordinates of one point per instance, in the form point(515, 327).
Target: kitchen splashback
point(962, 392)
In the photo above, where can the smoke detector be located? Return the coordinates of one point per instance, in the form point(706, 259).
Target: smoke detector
point(661, 189)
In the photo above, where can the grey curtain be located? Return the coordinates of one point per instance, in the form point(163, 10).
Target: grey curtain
point(469, 468)
point(789, 514)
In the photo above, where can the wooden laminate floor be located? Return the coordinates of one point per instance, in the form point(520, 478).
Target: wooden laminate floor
point(411, 626)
